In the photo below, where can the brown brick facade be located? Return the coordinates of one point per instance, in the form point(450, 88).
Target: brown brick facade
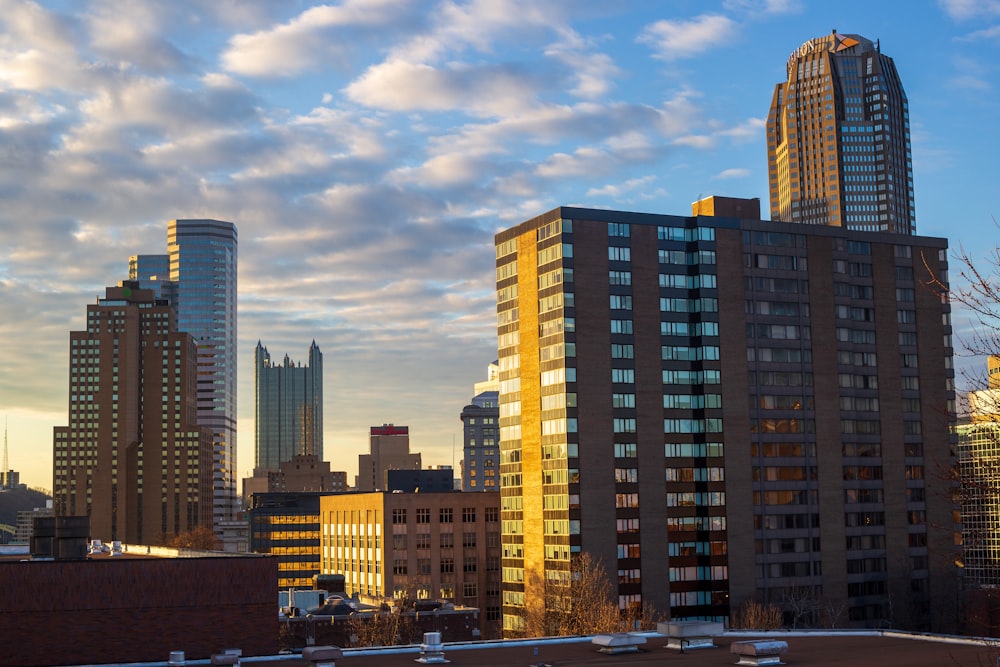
point(136, 610)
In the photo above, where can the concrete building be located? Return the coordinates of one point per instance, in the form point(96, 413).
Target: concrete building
point(721, 409)
point(838, 139)
point(133, 456)
point(480, 446)
point(416, 546)
point(288, 408)
point(389, 449)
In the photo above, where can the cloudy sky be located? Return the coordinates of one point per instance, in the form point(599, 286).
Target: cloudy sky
point(369, 150)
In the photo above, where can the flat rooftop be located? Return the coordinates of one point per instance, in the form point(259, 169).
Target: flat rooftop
point(887, 649)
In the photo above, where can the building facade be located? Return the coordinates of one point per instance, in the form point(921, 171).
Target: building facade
point(286, 525)
point(677, 390)
point(417, 546)
point(203, 263)
point(838, 139)
point(480, 442)
point(304, 472)
point(979, 476)
point(389, 449)
point(198, 277)
point(133, 456)
point(288, 408)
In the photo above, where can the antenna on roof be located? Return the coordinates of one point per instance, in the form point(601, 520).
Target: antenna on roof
point(6, 464)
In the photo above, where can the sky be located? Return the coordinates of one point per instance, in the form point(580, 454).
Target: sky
point(369, 150)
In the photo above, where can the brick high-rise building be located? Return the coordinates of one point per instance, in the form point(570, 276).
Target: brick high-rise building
point(722, 409)
point(133, 456)
point(838, 139)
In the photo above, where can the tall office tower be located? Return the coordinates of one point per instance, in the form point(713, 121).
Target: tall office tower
point(203, 267)
point(288, 411)
point(721, 409)
point(979, 477)
point(133, 457)
point(480, 446)
point(388, 449)
point(838, 139)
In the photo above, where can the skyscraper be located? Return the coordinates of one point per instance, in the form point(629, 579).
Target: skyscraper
point(288, 409)
point(133, 456)
point(721, 409)
point(203, 259)
point(838, 139)
point(480, 444)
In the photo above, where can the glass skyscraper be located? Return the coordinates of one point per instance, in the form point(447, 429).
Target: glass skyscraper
point(202, 255)
point(288, 411)
point(838, 139)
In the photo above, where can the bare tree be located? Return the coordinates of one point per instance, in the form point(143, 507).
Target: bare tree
point(385, 627)
point(756, 615)
point(201, 537)
point(582, 602)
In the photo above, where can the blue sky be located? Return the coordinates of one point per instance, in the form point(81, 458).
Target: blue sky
point(369, 149)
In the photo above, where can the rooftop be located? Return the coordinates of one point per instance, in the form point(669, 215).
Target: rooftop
point(805, 649)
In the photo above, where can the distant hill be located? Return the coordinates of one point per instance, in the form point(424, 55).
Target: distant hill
point(12, 502)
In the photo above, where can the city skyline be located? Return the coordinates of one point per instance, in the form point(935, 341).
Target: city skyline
point(369, 165)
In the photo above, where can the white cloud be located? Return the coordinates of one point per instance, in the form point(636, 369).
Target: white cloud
point(764, 6)
point(397, 85)
point(618, 190)
point(962, 10)
point(673, 40)
point(593, 71)
point(133, 32)
point(318, 37)
point(727, 174)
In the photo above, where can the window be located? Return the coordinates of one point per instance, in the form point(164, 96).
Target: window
point(623, 400)
point(617, 254)
point(620, 229)
point(446, 515)
point(447, 565)
point(399, 516)
point(423, 515)
point(621, 326)
point(423, 540)
point(468, 514)
point(447, 540)
point(621, 302)
point(470, 564)
point(620, 277)
point(619, 351)
point(622, 375)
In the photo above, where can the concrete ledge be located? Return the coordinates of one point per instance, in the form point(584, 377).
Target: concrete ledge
point(761, 652)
